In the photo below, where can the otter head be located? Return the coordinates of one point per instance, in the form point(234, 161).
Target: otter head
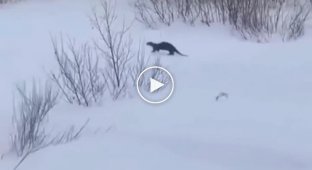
point(150, 44)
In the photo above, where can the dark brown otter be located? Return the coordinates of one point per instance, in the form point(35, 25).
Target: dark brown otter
point(164, 46)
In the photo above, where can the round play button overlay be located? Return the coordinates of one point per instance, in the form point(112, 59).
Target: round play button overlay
point(155, 85)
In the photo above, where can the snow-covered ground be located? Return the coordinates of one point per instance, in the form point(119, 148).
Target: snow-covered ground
point(265, 124)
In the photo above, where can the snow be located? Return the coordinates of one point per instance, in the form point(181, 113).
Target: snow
point(265, 124)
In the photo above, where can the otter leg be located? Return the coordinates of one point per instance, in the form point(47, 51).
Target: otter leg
point(171, 52)
point(155, 49)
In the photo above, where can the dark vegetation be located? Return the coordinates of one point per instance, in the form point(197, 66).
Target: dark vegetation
point(252, 19)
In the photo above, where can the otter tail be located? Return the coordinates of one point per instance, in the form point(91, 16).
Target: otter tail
point(180, 53)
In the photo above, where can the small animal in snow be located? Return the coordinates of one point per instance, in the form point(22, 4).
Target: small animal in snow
point(222, 95)
point(164, 46)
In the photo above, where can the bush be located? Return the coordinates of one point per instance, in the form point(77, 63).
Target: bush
point(7, 1)
point(79, 77)
point(253, 19)
point(114, 46)
point(4, 1)
point(140, 64)
point(293, 26)
point(31, 111)
point(30, 114)
point(83, 78)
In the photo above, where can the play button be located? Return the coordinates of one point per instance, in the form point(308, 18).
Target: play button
point(155, 85)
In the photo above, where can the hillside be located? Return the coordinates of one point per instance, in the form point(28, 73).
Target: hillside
point(264, 124)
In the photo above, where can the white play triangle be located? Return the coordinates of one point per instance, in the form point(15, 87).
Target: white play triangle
point(155, 85)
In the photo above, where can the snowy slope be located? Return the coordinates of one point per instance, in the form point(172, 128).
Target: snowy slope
point(264, 125)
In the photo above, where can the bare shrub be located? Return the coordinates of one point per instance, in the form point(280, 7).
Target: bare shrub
point(79, 77)
point(293, 25)
point(260, 19)
point(8, 1)
point(31, 111)
point(145, 14)
point(165, 11)
point(152, 12)
point(69, 135)
point(158, 74)
point(188, 10)
point(141, 63)
point(30, 114)
point(253, 19)
point(115, 47)
point(205, 12)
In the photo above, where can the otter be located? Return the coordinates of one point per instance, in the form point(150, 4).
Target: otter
point(164, 46)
